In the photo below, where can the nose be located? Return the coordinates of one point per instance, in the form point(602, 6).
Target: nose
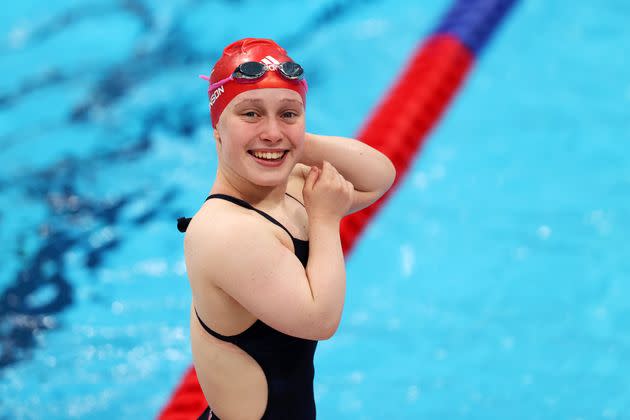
point(271, 130)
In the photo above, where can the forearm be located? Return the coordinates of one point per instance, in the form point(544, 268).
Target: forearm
point(326, 272)
point(365, 167)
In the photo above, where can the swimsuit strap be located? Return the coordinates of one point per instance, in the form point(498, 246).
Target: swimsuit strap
point(228, 338)
point(183, 222)
point(296, 199)
point(245, 204)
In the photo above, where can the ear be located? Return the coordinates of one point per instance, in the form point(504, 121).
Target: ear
point(217, 139)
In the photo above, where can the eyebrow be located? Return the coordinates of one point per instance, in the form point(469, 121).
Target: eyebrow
point(260, 101)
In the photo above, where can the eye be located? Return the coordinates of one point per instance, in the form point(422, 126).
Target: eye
point(289, 114)
point(250, 114)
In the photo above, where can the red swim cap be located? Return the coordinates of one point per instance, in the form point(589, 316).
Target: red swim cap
point(242, 51)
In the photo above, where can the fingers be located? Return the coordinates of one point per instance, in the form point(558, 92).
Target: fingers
point(350, 186)
point(330, 175)
point(327, 194)
point(329, 172)
point(311, 177)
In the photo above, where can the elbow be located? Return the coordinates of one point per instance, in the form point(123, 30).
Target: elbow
point(328, 329)
point(387, 172)
point(391, 174)
point(328, 333)
point(387, 178)
point(323, 327)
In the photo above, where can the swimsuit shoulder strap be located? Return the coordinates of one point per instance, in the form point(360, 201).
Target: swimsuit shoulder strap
point(245, 204)
point(296, 199)
point(183, 222)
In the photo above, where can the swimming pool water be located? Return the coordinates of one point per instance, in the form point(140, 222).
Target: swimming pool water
point(494, 283)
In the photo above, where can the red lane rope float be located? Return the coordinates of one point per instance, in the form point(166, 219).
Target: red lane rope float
point(397, 127)
point(188, 401)
point(400, 123)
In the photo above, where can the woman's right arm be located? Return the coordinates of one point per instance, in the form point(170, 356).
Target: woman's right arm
point(247, 261)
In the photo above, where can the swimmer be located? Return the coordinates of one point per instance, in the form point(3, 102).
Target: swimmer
point(263, 252)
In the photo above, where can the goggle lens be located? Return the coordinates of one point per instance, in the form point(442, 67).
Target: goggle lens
point(291, 70)
point(250, 70)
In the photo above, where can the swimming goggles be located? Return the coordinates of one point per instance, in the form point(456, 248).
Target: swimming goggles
point(252, 71)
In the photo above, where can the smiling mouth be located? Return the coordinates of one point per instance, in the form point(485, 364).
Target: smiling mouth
point(268, 155)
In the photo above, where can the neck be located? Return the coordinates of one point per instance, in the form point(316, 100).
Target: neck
point(256, 195)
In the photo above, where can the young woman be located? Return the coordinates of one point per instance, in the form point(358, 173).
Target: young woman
point(263, 253)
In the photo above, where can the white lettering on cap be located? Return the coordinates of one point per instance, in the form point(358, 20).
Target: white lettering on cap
point(216, 95)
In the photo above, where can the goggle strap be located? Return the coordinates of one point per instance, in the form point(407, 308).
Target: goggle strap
point(219, 83)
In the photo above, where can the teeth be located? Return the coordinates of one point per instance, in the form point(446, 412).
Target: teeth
point(268, 155)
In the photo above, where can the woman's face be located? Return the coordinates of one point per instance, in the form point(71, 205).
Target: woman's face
point(259, 122)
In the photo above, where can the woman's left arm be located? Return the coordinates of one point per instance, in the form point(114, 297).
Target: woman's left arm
point(370, 171)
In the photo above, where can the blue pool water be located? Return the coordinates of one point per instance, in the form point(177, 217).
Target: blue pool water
point(493, 285)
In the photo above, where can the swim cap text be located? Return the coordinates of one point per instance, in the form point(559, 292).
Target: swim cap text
point(216, 95)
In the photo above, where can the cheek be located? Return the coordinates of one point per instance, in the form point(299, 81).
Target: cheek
point(297, 133)
point(234, 140)
point(299, 144)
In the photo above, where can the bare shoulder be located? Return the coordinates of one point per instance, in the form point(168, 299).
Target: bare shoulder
point(215, 231)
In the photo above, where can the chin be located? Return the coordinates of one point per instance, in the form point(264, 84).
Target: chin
point(269, 180)
point(270, 177)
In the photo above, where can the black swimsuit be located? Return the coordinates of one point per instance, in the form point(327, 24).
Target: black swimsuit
point(286, 361)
